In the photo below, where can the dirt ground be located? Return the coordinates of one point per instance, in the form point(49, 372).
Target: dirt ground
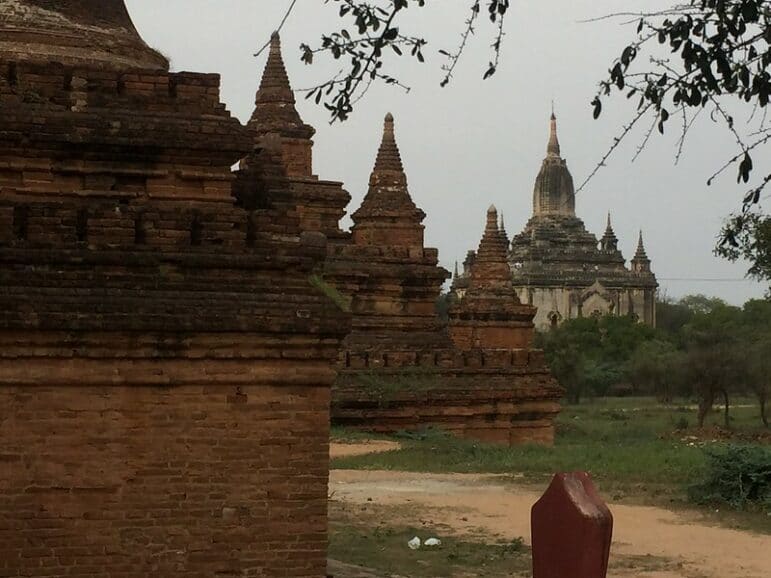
point(493, 507)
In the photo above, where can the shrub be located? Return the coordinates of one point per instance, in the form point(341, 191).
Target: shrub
point(737, 476)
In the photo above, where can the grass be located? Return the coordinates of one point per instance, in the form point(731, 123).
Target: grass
point(637, 451)
point(376, 538)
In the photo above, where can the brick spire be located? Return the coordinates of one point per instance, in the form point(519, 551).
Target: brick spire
point(388, 194)
point(275, 110)
point(489, 314)
point(491, 268)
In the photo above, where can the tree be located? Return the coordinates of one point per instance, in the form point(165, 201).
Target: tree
point(718, 62)
point(656, 367)
point(373, 30)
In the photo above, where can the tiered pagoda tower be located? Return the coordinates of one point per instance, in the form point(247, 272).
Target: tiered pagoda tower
point(393, 280)
point(489, 315)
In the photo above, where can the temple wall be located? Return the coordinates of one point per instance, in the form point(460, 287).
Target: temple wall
point(507, 397)
point(197, 477)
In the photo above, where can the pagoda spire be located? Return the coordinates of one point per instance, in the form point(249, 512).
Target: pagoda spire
point(554, 144)
point(640, 254)
point(491, 267)
point(389, 159)
point(609, 240)
point(275, 110)
point(641, 263)
point(275, 86)
point(388, 206)
point(504, 234)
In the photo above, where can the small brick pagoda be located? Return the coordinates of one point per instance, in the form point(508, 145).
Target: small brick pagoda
point(393, 280)
point(489, 315)
point(165, 356)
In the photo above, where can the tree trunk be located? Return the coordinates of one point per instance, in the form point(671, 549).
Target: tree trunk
point(726, 414)
point(762, 398)
point(705, 404)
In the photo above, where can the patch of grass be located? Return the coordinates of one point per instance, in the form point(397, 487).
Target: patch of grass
point(341, 301)
point(634, 448)
point(376, 539)
point(344, 435)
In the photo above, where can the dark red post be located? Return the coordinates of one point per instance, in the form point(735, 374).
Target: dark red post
point(572, 530)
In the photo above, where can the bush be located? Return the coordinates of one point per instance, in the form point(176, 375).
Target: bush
point(736, 476)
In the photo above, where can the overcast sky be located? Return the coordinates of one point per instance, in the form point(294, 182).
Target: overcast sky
point(476, 143)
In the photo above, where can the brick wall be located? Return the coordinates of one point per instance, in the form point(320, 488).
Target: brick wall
point(183, 480)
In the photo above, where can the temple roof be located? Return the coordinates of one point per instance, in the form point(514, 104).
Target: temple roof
point(554, 192)
point(275, 110)
point(87, 33)
point(388, 195)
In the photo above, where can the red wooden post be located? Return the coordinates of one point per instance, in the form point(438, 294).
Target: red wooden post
point(572, 530)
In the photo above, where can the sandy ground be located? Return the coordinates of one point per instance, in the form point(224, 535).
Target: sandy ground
point(339, 450)
point(491, 506)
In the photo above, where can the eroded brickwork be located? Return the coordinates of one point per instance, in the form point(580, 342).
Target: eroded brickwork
point(165, 355)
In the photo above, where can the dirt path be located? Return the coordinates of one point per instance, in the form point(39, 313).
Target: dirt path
point(345, 450)
point(490, 506)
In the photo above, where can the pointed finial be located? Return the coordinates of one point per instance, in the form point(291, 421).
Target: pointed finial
point(275, 85)
point(553, 115)
point(457, 274)
point(388, 157)
point(492, 220)
point(554, 143)
point(610, 226)
point(641, 255)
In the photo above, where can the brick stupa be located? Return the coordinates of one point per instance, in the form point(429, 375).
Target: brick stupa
point(165, 359)
point(490, 315)
point(393, 280)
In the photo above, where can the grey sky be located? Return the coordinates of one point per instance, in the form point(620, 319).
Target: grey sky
point(476, 143)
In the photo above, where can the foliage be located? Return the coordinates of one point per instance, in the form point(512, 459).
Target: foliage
point(706, 349)
point(718, 62)
point(375, 30)
point(748, 236)
point(588, 355)
point(341, 301)
point(364, 537)
point(738, 476)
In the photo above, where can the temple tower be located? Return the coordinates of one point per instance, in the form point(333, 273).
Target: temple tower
point(392, 279)
point(280, 134)
point(489, 315)
point(554, 192)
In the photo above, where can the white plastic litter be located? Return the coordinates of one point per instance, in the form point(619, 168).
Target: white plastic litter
point(432, 543)
point(414, 544)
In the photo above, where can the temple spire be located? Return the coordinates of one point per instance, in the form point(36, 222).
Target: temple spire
point(388, 157)
point(387, 205)
point(641, 254)
point(275, 86)
point(554, 143)
point(609, 240)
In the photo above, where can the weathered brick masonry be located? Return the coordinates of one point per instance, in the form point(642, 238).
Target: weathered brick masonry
point(399, 367)
point(165, 360)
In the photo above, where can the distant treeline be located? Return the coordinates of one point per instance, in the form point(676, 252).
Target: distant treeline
point(702, 349)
